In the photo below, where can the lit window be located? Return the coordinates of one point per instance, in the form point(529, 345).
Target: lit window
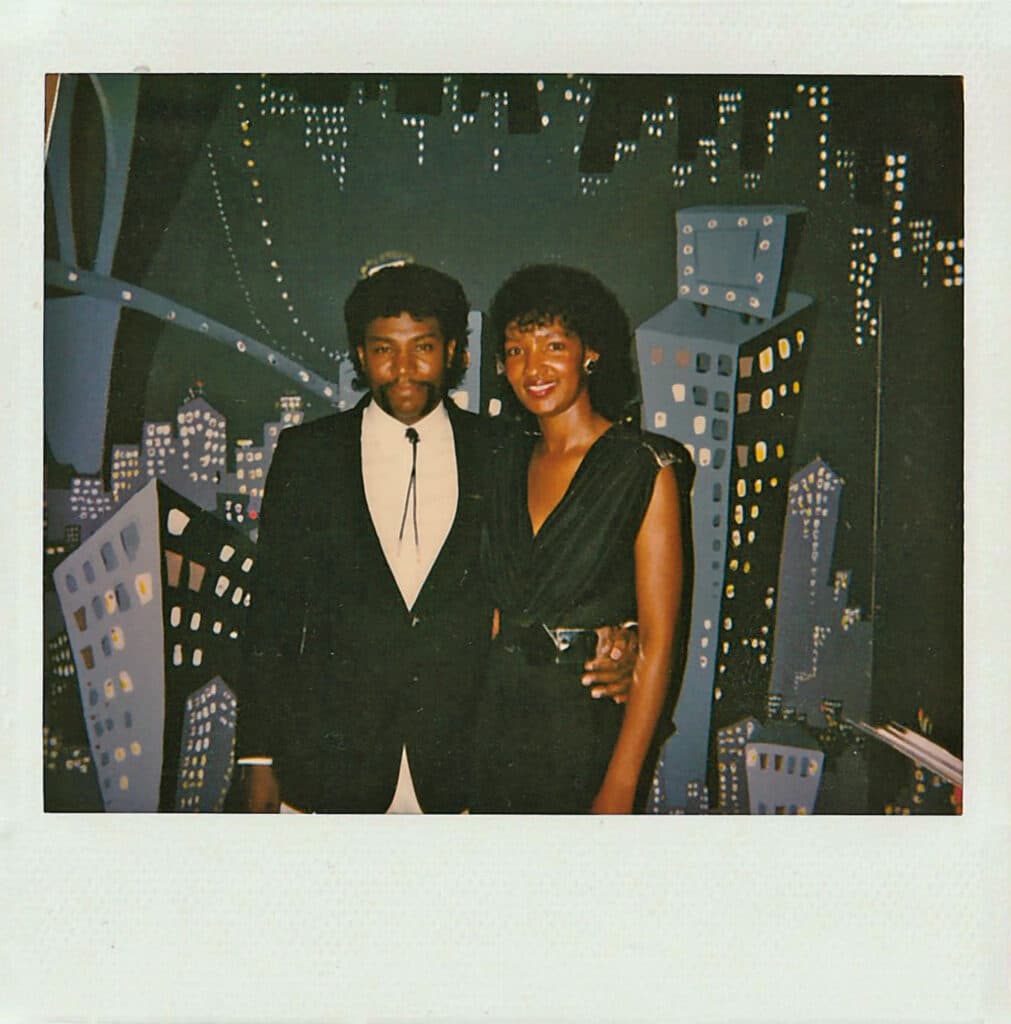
point(177, 654)
point(196, 575)
point(743, 401)
point(754, 511)
point(704, 456)
point(765, 359)
point(110, 689)
point(177, 521)
point(678, 391)
point(237, 595)
point(118, 640)
point(175, 616)
point(142, 584)
point(198, 656)
point(125, 682)
point(699, 424)
point(784, 348)
point(195, 620)
point(739, 514)
point(173, 568)
point(659, 420)
point(780, 451)
point(767, 398)
point(742, 487)
point(761, 451)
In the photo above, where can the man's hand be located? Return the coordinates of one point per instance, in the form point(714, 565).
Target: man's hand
point(263, 794)
point(611, 671)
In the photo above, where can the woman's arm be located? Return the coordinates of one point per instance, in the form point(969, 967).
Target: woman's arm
point(658, 596)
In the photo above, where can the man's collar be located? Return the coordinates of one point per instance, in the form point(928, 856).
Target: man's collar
point(386, 425)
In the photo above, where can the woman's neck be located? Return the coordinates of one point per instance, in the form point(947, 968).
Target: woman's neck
point(577, 427)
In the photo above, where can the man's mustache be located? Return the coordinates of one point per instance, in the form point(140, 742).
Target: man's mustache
point(432, 389)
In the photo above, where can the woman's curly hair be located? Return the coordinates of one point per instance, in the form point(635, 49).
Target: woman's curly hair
point(541, 293)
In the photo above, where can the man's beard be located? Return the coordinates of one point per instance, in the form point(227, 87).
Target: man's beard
point(433, 399)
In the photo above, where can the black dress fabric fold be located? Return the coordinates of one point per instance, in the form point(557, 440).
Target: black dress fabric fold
point(543, 744)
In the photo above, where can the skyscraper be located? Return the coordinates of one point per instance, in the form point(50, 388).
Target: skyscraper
point(822, 647)
point(730, 390)
point(154, 604)
point(725, 374)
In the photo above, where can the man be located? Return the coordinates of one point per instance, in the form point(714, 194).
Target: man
point(369, 626)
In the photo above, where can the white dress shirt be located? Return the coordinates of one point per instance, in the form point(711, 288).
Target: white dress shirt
point(386, 473)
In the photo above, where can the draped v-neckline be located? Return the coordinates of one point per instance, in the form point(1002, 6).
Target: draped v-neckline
point(535, 535)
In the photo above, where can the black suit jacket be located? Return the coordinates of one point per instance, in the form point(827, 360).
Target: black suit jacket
point(338, 674)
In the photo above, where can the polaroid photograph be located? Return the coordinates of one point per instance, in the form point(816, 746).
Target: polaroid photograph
point(520, 473)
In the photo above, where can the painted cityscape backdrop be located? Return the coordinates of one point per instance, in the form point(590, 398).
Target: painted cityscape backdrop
point(202, 233)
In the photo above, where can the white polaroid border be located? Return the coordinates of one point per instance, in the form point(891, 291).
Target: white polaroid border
point(172, 918)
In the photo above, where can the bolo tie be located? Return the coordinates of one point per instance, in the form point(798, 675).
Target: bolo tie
point(411, 498)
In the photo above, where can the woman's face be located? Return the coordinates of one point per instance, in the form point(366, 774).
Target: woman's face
point(545, 366)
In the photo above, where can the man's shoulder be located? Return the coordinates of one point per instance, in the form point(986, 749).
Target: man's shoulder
point(326, 429)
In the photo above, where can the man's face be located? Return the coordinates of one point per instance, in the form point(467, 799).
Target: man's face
point(405, 361)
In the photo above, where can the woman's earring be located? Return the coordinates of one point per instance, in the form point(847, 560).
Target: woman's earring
point(590, 366)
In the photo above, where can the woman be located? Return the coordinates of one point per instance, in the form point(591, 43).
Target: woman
point(584, 528)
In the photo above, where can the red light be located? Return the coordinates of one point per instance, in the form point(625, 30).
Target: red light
point(253, 514)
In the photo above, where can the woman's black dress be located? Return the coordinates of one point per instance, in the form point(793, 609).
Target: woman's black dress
point(543, 744)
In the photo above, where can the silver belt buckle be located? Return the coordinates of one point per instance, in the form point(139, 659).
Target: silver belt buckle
point(564, 636)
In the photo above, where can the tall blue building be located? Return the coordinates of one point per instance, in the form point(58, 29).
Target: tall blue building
point(722, 371)
point(822, 645)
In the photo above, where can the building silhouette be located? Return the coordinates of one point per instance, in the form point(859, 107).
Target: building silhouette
point(784, 768)
point(822, 645)
point(207, 755)
point(154, 603)
point(201, 450)
point(730, 765)
point(728, 384)
point(126, 471)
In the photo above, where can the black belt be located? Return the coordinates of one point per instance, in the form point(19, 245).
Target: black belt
point(545, 645)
